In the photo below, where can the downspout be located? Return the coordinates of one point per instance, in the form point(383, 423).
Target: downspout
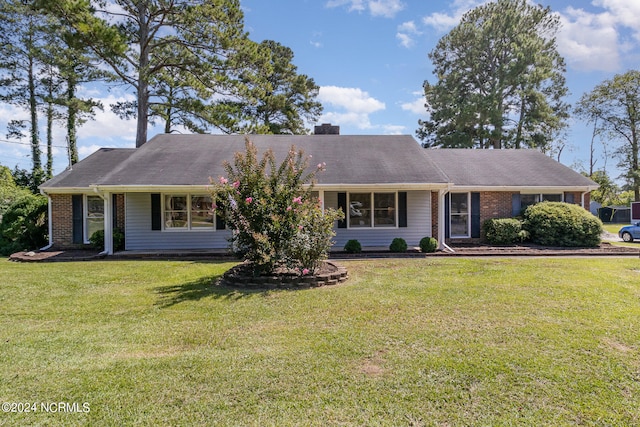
point(50, 223)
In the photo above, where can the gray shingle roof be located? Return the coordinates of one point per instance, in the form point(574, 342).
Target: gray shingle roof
point(494, 168)
point(174, 160)
point(167, 160)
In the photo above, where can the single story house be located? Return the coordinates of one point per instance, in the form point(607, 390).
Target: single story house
point(388, 186)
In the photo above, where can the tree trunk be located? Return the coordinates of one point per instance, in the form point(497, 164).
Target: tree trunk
point(35, 140)
point(71, 121)
point(143, 76)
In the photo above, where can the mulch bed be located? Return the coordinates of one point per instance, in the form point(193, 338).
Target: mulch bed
point(603, 249)
point(242, 276)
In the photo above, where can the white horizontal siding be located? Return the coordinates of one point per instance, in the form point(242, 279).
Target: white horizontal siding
point(418, 223)
point(139, 236)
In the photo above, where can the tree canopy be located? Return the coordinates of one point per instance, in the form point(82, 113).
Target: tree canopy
point(614, 108)
point(500, 80)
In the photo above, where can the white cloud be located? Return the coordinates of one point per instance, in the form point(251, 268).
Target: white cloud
point(417, 106)
point(353, 106)
point(442, 22)
point(107, 125)
point(405, 33)
point(385, 8)
point(589, 41)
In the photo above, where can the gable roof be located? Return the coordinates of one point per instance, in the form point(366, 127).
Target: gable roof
point(505, 168)
point(180, 160)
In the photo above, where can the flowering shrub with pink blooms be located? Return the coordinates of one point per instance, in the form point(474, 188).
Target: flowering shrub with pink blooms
point(276, 221)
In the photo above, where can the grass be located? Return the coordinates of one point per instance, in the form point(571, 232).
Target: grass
point(492, 341)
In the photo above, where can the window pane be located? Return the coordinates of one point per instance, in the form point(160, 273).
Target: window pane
point(459, 203)
point(384, 210)
point(201, 213)
point(94, 219)
point(459, 215)
point(552, 197)
point(459, 225)
point(175, 213)
point(527, 200)
point(360, 209)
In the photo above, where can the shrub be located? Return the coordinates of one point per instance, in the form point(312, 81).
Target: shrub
point(503, 231)
point(562, 224)
point(24, 225)
point(274, 219)
point(398, 245)
point(428, 244)
point(97, 239)
point(353, 247)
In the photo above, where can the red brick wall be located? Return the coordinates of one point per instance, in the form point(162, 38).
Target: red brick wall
point(434, 214)
point(62, 220)
point(495, 204)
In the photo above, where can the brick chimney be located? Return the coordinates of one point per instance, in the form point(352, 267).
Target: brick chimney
point(326, 129)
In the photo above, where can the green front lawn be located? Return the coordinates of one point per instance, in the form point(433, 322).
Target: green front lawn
point(492, 341)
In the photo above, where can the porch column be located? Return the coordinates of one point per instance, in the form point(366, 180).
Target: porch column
point(441, 219)
point(108, 223)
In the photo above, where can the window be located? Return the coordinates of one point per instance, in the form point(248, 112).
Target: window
point(527, 200)
point(188, 212)
point(94, 216)
point(459, 214)
point(372, 210)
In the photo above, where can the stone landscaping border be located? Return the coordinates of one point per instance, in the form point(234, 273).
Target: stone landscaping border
point(239, 277)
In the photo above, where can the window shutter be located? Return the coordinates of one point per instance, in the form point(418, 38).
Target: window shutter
point(220, 225)
point(475, 215)
point(77, 218)
point(515, 204)
point(447, 215)
point(569, 197)
point(402, 209)
point(342, 204)
point(156, 212)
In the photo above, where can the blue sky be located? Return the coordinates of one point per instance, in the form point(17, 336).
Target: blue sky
point(369, 58)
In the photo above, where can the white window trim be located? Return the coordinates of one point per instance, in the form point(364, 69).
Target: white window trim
point(371, 226)
point(451, 214)
point(189, 228)
point(85, 216)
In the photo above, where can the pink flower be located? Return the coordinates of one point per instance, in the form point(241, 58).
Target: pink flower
point(249, 199)
point(300, 227)
point(223, 180)
point(289, 208)
point(297, 200)
point(214, 207)
point(236, 184)
point(305, 271)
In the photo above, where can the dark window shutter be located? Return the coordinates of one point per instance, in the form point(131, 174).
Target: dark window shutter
point(342, 204)
point(156, 212)
point(515, 204)
point(569, 197)
point(77, 215)
point(402, 209)
point(220, 225)
point(475, 215)
point(447, 215)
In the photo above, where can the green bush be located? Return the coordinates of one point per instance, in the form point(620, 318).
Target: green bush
point(97, 239)
point(562, 224)
point(274, 218)
point(24, 225)
point(398, 245)
point(353, 247)
point(503, 231)
point(428, 244)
